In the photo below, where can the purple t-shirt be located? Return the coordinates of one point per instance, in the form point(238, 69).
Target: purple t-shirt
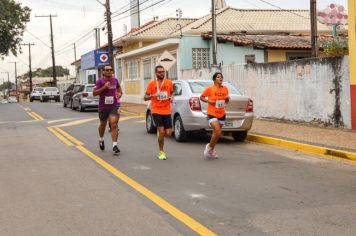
point(107, 99)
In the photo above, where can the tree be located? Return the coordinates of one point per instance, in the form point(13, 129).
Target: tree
point(61, 71)
point(5, 85)
point(13, 19)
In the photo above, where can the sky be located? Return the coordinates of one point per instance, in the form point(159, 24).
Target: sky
point(75, 22)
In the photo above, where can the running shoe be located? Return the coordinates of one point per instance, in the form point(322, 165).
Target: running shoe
point(116, 149)
point(162, 155)
point(207, 151)
point(213, 154)
point(101, 145)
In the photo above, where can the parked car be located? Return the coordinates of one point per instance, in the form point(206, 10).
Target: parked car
point(36, 94)
point(11, 99)
point(68, 94)
point(84, 98)
point(189, 114)
point(49, 93)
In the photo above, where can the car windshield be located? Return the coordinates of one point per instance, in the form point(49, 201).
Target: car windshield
point(38, 89)
point(90, 88)
point(199, 87)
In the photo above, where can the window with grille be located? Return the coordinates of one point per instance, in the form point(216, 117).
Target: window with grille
point(119, 70)
point(132, 67)
point(147, 69)
point(201, 58)
point(172, 72)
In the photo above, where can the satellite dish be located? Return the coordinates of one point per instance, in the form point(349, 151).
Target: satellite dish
point(333, 14)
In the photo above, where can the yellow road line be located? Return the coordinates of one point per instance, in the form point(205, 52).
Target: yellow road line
point(140, 121)
point(181, 216)
point(58, 135)
point(122, 110)
point(34, 117)
point(308, 148)
point(68, 136)
point(27, 108)
point(37, 115)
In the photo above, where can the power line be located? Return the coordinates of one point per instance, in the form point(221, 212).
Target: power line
point(70, 42)
point(131, 8)
point(271, 4)
point(37, 38)
point(152, 5)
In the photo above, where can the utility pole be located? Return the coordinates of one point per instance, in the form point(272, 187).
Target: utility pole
point(108, 23)
point(214, 66)
point(54, 73)
point(75, 52)
point(29, 64)
point(314, 28)
point(15, 62)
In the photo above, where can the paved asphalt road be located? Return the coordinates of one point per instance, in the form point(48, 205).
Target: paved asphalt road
point(251, 190)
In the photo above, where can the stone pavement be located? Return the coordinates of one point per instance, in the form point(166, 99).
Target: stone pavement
point(305, 133)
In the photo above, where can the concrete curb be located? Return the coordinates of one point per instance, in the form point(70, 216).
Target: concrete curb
point(303, 147)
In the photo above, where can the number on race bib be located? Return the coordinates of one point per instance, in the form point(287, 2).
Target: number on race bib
point(162, 95)
point(220, 104)
point(109, 100)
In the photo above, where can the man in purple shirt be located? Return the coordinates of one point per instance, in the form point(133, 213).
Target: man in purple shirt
point(107, 87)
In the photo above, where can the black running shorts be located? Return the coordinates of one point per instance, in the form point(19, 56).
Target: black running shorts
point(106, 112)
point(162, 121)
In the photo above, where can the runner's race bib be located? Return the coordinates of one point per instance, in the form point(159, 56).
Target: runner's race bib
point(162, 96)
point(109, 100)
point(220, 104)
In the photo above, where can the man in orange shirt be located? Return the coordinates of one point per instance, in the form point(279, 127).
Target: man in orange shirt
point(160, 92)
point(217, 96)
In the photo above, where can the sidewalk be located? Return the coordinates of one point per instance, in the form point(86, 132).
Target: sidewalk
point(303, 133)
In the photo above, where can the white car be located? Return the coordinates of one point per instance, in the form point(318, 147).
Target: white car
point(36, 94)
point(49, 93)
point(189, 114)
point(11, 99)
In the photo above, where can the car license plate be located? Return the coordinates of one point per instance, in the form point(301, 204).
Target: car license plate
point(229, 124)
point(51, 96)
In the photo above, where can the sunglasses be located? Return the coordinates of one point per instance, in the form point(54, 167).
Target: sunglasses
point(108, 70)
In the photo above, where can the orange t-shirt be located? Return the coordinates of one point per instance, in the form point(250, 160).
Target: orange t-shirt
point(217, 94)
point(161, 104)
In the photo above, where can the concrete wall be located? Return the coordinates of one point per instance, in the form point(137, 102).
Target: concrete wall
point(309, 90)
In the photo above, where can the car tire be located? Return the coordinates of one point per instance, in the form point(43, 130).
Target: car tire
point(239, 136)
point(80, 107)
point(150, 126)
point(180, 135)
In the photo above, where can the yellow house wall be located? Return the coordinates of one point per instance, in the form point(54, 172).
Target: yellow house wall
point(276, 55)
point(133, 88)
point(281, 55)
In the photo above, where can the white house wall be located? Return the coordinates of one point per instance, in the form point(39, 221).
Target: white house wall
point(303, 90)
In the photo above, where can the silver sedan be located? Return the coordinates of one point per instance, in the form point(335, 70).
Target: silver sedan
point(189, 114)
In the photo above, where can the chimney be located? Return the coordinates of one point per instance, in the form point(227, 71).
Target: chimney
point(219, 4)
point(135, 13)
